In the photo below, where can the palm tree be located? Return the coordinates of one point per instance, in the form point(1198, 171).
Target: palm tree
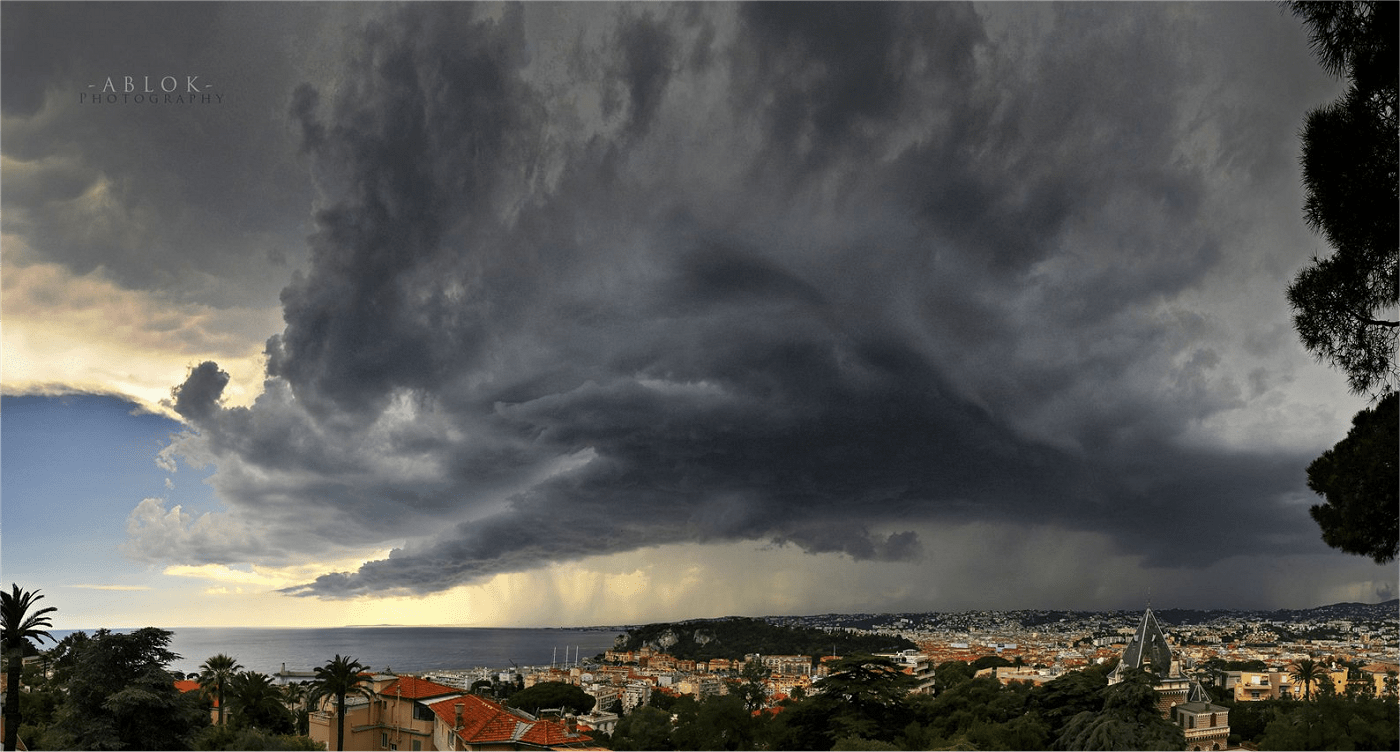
point(295, 697)
point(18, 627)
point(215, 674)
point(1307, 672)
point(338, 678)
point(256, 701)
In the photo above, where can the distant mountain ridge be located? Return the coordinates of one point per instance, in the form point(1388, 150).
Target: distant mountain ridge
point(1029, 618)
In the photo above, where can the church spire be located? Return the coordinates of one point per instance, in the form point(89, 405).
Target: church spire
point(1148, 649)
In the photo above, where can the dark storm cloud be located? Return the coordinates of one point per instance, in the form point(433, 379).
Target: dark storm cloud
point(198, 397)
point(181, 199)
point(430, 128)
point(852, 270)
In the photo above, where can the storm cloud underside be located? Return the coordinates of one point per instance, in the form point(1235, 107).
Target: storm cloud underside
point(721, 273)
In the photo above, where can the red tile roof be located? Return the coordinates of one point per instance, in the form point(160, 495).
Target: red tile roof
point(189, 685)
point(487, 722)
point(413, 688)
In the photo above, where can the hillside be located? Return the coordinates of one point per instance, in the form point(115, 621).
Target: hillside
point(735, 637)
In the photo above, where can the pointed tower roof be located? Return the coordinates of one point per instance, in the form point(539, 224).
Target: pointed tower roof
point(1148, 649)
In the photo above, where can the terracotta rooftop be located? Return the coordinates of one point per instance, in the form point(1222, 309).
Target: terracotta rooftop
point(487, 722)
point(189, 685)
point(413, 688)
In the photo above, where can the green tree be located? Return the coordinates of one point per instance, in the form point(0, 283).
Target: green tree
point(974, 705)
point(20, 624)
point(1350, 179)
point(1307, 672)
point(1129, 720)
point(950, 674)
point(1334, 722)
point(643, 728)
point(119, 695)
point(989, 661)
point(1067, 696)
point(552, 695)
point(1344, 304)
point(337, 679)
point(754, 688)
point(214, 676)
point(295, 696)
point(804, 725)
point(236, 738)
point(720, 722)
point(857, 744)
point(1028, 731)
point(866, 697)
point(1361, 514)
point(257, 702)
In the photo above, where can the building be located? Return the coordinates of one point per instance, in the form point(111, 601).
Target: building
point(915, 664)
point(597, 720)
point(394, 717)
point(1180, 698)
point(1009, 674)
point(1205, 725)
point(1385, 678)
point(471, 722)
point(796, 665)
point(1252, 686)
point(190, 685)
point(412, 714)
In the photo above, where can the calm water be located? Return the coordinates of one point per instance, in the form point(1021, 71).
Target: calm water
point(402, 649)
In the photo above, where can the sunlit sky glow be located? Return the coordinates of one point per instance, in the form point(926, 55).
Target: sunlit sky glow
point(569, 314)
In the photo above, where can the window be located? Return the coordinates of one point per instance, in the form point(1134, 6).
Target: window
point(417, 745)
point(1212, 720)
point(422, 712)
point(383, 739)
point(1190, 721)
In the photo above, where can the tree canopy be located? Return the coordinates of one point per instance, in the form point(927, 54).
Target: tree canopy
point(20, 622)
point(1129, 720)
point(1357, 478)
point(1344, 305)
point(546, 695)
point(340, 677)
point(214, 676)
point(119, 695)
point(258, 703)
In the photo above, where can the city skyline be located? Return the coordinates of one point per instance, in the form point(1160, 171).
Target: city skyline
point(569, 314)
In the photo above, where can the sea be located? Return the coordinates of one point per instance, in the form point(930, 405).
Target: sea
point(404, 650)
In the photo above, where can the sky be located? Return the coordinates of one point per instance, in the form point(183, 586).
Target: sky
point(572, 314)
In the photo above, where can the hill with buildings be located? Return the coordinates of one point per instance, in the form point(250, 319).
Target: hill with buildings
point(1049, 619)
point(734, 637)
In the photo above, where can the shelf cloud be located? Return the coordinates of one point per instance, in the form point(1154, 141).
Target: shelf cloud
point(581, 280)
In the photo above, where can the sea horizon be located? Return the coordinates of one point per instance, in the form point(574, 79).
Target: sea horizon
point(387, 648)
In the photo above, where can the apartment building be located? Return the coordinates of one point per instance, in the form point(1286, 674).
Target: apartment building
point(411, 714)
point(1251, 686)
point(915, 664)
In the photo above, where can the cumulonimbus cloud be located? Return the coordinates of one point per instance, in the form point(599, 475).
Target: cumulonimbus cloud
point(754, 285)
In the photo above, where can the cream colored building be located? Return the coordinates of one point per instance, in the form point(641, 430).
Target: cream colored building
point(396, 717)
point(1251, 686)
